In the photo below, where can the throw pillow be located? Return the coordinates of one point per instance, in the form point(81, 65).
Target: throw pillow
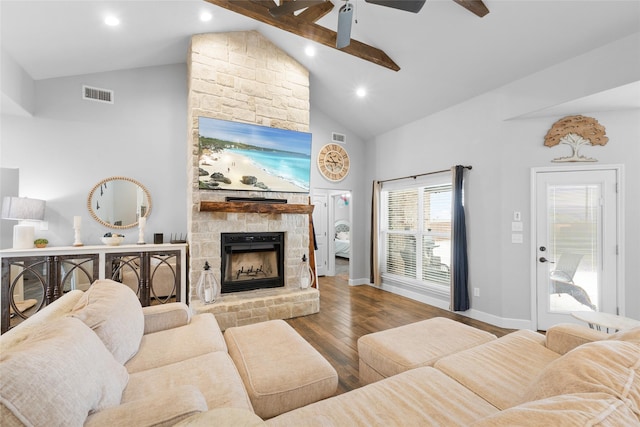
point(59, 375)
point(114, 313)
point(611, 367)
point(569, 410)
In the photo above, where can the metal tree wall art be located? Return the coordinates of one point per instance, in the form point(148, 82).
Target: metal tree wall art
point(576, 131)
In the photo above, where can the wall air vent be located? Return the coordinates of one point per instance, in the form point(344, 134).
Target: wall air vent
point(97, 94)
point(340, 138)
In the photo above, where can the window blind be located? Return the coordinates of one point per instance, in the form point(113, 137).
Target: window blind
point(417, 230)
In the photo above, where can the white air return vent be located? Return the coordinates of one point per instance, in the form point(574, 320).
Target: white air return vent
point(96, 94)
point(338, 137)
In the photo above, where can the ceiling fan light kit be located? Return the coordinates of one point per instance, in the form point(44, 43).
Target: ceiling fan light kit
point(345, 17)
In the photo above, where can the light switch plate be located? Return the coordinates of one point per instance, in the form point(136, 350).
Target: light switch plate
point(517, 216)
point(517, 238)
point(516, 226)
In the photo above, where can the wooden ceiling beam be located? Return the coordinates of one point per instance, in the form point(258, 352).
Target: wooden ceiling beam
point(474, 6)
point(308, 30)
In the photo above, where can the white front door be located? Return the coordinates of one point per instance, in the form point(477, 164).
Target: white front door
point(320, 222)
point(576, 242)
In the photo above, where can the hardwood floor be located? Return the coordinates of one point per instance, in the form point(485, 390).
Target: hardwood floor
point(348, 312)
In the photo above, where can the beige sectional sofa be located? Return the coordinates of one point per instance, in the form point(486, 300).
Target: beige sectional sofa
point(72, 365)
point(573, 376)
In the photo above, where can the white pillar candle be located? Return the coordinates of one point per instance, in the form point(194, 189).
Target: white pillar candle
point(77, 220)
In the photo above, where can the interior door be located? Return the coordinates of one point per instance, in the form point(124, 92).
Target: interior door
point(576, 241)
point(319, 201)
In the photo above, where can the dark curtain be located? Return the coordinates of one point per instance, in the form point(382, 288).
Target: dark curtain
point(460, 273)
point(374, 260)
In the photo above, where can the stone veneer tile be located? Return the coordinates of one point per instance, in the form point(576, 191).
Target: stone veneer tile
point(261, 306)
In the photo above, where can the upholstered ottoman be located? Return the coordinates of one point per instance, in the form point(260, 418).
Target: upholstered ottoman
point(280, 370)
point(386, 353)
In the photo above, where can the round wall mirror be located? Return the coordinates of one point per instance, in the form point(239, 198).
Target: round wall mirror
point(118, 202)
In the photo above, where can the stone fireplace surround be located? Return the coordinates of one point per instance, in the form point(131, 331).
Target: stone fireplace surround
point(242, 76)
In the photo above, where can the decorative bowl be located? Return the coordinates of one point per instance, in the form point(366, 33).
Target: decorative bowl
point(113, 241)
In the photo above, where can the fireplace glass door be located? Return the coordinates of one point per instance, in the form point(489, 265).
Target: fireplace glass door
point(252, 261)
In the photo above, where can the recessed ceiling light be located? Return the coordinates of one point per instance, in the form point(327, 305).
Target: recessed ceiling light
point(206, 16)
point(111, 21)
point(361, 92)
point(310, 50)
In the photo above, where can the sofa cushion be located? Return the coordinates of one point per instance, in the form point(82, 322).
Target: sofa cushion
point(224, 417)
point(214, 374)
point(419, 397)
point(114, 313)
point(49, 313)
point(631, 335)
point(59, 375)
point(163, 408)
point(500, 370)
point(569, 410)
point(611, 367)
point(396, 350)
point(162, 348)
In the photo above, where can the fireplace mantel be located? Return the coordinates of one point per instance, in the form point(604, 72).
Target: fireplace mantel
point(255, 207)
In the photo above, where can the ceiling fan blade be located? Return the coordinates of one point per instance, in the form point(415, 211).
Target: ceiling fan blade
point(474, 6)
point(406, 5)
point(345, 17)
point(288, 7)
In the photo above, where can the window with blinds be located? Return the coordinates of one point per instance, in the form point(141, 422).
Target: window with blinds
point(416, 231)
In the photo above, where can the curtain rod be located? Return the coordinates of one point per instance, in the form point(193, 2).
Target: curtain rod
point(420, 174)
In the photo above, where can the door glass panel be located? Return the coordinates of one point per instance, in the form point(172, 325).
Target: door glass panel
point(573, 220)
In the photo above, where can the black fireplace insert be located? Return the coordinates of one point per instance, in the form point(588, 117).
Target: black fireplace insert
point(252, 261)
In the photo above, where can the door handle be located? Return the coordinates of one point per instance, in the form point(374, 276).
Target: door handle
point(543, 259)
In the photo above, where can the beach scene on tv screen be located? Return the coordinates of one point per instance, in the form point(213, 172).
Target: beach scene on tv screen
point(241, 156)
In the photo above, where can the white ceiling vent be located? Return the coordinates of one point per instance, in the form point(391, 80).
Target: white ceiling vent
point(338, 137)
point(97, 94)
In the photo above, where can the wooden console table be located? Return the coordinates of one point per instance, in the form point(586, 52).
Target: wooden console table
point(33, 278)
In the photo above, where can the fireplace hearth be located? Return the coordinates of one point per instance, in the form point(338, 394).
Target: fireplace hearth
point(252, 261)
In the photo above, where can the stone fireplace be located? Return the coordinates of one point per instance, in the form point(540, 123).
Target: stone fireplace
point(242, 76)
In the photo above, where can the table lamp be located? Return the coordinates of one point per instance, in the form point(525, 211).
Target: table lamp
point(24, 210)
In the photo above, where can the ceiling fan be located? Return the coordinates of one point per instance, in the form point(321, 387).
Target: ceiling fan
point(282, 14)
point(345, 13)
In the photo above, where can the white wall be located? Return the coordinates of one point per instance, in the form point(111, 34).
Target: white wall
point(18, 88)
point(69, 145)
point(322, 126)
point(502, 153)
point(9, 185)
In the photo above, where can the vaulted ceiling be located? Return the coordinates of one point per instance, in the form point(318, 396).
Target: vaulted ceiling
point(445, 53)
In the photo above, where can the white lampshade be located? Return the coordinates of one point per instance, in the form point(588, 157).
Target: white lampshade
point(23, 208)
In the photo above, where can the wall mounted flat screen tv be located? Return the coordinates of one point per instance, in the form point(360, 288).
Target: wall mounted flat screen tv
point(242, 156)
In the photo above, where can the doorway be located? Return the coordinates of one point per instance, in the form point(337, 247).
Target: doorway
point(332, 224)
point(576, 235)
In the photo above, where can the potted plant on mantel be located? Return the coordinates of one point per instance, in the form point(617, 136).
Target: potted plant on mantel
point(41, 243)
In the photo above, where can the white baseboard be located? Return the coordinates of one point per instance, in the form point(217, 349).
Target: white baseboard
point(359, 282)
point(492, 319)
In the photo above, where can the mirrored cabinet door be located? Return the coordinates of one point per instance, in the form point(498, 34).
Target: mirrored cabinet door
point(30, 283)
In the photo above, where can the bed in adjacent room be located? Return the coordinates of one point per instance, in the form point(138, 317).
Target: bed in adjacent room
point(342, 243)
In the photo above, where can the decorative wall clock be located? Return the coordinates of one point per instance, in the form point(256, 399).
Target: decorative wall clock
point(333, 162)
